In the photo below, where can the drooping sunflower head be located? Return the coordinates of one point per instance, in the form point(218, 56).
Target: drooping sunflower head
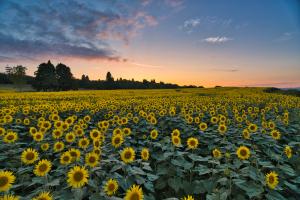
point(134, 193)
point(288, 151)
point(217, 153)
point(192, 143)
point(243, 152)
point(29, 156)
point(176, 141)
point(92, 159)
point(43, 196)
point(6, 180)
point(117, 140)
point(42, 168)
point(111, 187)
point(145, 154)
point(128, 155)
point(272, 179)
point(77, 177)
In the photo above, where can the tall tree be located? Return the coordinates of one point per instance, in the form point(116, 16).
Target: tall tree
point(64, 77)
point(45, 77)
point(17, 75)
point(109, 77)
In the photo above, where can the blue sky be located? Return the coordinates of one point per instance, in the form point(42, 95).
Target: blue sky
point(201, 42)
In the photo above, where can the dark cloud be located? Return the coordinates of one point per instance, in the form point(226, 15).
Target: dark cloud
point(68, 28)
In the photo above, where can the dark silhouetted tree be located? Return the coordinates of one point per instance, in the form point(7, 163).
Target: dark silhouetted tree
point(109, 77)
point(45, 77)
point(65, 80)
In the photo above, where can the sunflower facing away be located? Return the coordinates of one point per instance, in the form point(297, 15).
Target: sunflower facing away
point(272, 179)
point(145, 154)
point(111, 187)
point(29, 156)
point(6, 179)
point(128, 155)
point(288, 151)
point(77, 177)
point(134, 193)
point(43, 196)
point(42, 168)
point(192, 143)
point(243, 152)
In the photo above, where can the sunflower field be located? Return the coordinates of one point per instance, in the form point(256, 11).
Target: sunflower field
point(184, 144)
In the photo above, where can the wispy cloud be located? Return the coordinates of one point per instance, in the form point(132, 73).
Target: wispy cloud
point(174, 3)
point(146, 65)
point(217, 40)
point(286, 36)
point(225, 70)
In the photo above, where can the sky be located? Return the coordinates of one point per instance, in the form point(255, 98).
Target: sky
point(188, 42)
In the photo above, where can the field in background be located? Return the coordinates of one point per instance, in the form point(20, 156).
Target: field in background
point(218, 143)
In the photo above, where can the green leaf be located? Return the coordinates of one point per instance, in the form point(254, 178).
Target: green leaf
point(251, 188)
point(292, 187)
point(175, 183)
point(273, 195)
point(202, 169)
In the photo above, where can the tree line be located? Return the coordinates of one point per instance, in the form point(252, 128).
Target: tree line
point(60, 78)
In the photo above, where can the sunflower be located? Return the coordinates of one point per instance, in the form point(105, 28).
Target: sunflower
point(145, 154)
point(39, 136)
point(10, 137)
point(6, 179)
point(95, 134)
point(128, 155)
point(271, 125)
point(77, 177)
point(32, 131)
point(154, 134)
point(65, 158)
point(272, 179)
point(75, 153)
point(43, 196)
point(70, 137)
point(243, 152)
point(126, 131)
point(203, 126)
point(217, 153)
point(188, 197)
point(175, 132)
point(42, 168)
point(117, 131)
point(288, 151)
point(176, 141)
point(213, 120)
point(246, 134)
point(92, 159)
point(192, 143)
point(79, 132)
point(111, 187)
point(134, 193)
point(252, 128)
point(45, 146)
point(117, 140)
point(58, 146)
point(57, 133)
point(275, 134)
point(222, 128)
point(29, 156)
point(2, 131)
point(9, 197)
point(83, 143)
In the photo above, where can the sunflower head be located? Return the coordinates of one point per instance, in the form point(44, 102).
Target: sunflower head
point(65, 158)
point(43, 196)
point(243, 152)
point(203, 126)
point(59, 146)
point(92, 159)
point(134, 193)
point(6, 180)
point(272, 179)
point(176, 140)
point(42, 168)
point(192, 143)
point(77, 177)
point(217, 153)
point(117, 140)
point(154, 134)
point(10, 137)
point(9, 197)
point(188, 197)
point(145, 154)
point(288, 151)
point(275, 134)
point(29, 156)
point(111, 187)
point(128, 155)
